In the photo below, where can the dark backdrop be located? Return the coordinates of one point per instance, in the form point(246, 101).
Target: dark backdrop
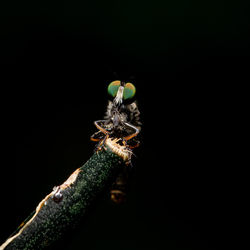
point(185, 57)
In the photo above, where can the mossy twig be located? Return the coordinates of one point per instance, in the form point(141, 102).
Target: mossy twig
point(62, 208)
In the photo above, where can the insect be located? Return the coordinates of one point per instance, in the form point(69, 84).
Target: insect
point(121, 120)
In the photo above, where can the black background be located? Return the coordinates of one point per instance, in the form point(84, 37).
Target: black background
point(186, 58)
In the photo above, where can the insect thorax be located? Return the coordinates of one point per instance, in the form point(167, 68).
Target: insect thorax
point(126, 112)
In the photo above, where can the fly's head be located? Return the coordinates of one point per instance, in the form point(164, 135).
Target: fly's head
point(121, 92)
point(123, 105)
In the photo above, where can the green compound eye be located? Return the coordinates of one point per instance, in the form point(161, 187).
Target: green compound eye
point(113, 88)
point(129, 91)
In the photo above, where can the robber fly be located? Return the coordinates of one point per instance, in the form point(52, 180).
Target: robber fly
point(122, 120)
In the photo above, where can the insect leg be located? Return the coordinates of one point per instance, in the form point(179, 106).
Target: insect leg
point(132, 135)
point(104, 131)
point(101, 143)
point(101, 130)
point(93, 138)
point(134, 146)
